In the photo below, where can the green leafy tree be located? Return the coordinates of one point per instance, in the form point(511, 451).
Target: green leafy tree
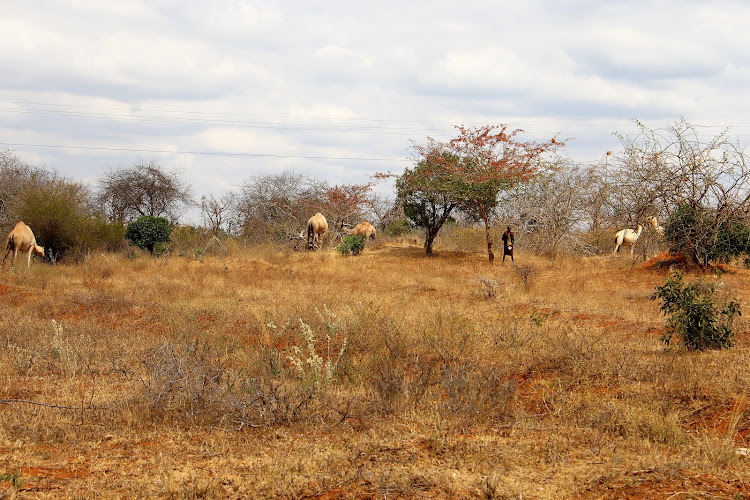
point(147, 231)
point(426, 197)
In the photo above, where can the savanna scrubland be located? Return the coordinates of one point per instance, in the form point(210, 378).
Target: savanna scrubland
point(227, 362)
point(256, 371)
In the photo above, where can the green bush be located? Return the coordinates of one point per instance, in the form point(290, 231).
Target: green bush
point(703, 235)
point(694, 316)
point(147, 232)
point(351, 244)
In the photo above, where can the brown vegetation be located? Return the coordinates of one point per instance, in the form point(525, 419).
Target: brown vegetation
point(252, 373)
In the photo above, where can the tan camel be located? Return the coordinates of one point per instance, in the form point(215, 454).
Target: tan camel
point(654, 222)
point(364, 229)
point(21, 239)
point(627, 238)
point(316, 228)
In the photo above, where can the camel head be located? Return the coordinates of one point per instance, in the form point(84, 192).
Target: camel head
point(39, 250)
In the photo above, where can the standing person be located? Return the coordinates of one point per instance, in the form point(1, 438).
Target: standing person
point(508, 241)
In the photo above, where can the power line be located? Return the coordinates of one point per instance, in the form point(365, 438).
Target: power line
point(258, 125)
point(382, 120)
point(206, 153)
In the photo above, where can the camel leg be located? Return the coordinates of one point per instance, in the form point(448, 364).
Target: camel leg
point(28, 261)
point(7, 252)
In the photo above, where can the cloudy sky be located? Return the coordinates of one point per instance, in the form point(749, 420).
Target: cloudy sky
point(223, 90)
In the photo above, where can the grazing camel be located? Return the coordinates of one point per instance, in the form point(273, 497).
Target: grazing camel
point(316, 228)
point(626, 238)
point(21, 239)
point(654, 222)
point(364, 229)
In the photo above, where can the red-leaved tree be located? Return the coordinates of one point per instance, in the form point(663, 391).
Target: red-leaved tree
point(479, 163)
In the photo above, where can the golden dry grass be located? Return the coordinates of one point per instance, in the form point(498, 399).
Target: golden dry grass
point(427, 378)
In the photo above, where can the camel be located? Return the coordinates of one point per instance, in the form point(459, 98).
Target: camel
point(316, 228)
point(654, 222)
point(364, 229)
point(22, 239)
point(626, 238)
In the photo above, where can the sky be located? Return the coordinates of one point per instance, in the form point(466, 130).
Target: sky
point(224, 90)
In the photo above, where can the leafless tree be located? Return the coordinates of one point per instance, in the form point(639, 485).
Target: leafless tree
point(553, 212)
point(145, 188)
point(277, 206)
point(215, 211)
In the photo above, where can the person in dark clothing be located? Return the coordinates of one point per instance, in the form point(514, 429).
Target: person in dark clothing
point(508, 241)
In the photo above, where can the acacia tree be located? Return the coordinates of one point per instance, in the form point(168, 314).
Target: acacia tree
point(482, 162)
point(425, 195)
point(214, 211)
point(277, 205)
point(146, 188)
point(346, 203)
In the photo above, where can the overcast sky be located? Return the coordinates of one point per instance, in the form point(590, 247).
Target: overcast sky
point(223, 90)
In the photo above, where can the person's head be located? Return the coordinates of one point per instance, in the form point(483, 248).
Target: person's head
point(508, 228)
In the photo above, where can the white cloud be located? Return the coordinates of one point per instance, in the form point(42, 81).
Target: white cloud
point(336, 79)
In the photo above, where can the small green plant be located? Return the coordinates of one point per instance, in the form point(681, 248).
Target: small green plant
point(147, 232)
point(351, 244)
point(14, 478)
point(694, 316)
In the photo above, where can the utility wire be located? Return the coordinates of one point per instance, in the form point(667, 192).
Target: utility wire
point(207, 153)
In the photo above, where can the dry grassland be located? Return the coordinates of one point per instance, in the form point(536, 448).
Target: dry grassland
point(258, 373)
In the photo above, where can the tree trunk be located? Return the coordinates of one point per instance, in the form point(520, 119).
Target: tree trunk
point(486, 219)
point(428, 242)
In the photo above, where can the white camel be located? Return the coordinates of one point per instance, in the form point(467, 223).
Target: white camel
point(316, 228)
point(21, 239)
point(654, 222)
point(626, 238)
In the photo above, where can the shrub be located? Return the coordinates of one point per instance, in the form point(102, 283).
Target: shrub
point(703, 235)
point(148, 231)
point(397, 227)
point(351, 244)
point(694, 316)
point(63, 220)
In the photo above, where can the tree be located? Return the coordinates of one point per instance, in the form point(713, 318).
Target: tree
point(555, 207)
point(64, 218)
point(16, 176)
point(425, 195)
point(215, 211)
point(346, 203)
point(277, 206)
point(147, 231)
point(702, 184)
point(146, 188)
point(480, 163)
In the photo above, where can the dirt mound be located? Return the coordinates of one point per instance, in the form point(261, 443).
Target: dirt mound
point(665, 261)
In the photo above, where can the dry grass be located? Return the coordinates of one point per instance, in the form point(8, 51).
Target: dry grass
point(260, 373)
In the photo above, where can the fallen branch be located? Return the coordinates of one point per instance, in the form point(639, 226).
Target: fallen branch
point(10, 401)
